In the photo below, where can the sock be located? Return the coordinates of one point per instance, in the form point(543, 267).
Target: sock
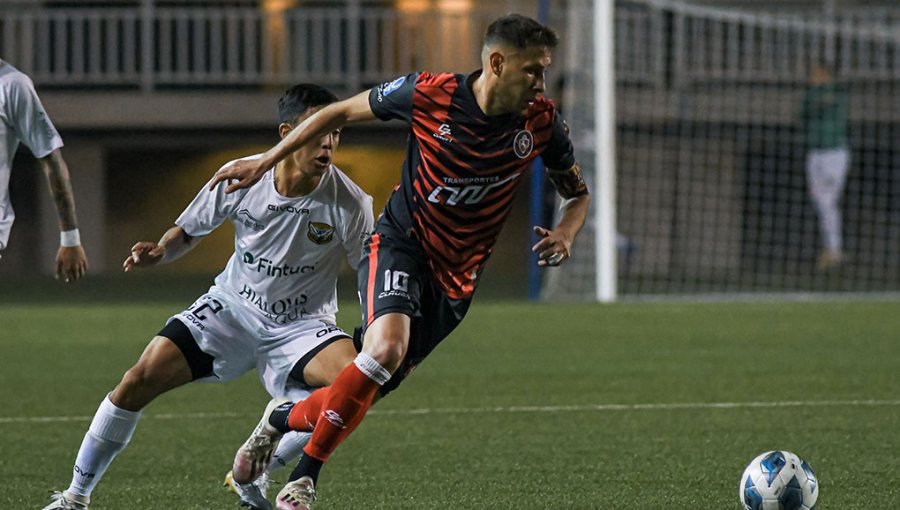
point(289, 449)
point(308, 466)
point(304, 414)
point(349, 397)
point(110, 431)
point(279, 417)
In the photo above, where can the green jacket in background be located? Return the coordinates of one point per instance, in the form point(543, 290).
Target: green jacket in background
point(824, 116)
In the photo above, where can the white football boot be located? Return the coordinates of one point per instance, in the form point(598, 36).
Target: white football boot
point(65, 501)
point(253, 495)
point(297, 495)
point(254, 456)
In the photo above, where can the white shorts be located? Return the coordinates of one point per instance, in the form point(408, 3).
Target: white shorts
point(238, 341)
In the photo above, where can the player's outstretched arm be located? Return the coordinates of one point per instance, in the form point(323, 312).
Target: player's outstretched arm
point(245, 173)
point(173, 244)
point(555, 245)
point(71, 261)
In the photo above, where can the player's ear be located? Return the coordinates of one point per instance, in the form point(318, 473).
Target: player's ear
point(284, 128)
point(496, 60)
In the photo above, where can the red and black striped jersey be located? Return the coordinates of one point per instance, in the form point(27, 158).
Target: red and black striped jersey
point(462, 169)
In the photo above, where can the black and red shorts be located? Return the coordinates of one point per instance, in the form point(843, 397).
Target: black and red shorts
point(394, 277)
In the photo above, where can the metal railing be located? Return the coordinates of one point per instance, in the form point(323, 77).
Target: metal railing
point(152, 44)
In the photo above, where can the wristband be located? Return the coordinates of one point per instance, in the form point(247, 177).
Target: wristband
point(70, 238)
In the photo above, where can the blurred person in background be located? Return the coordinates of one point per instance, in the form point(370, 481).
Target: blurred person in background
point(824, 117)
point(24, 120)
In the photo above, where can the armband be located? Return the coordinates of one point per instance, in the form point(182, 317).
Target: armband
point(569, 183)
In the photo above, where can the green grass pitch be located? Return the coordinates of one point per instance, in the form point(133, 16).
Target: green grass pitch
point(525, 406)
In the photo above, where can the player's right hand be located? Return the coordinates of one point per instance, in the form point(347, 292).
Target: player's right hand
point(144, 254)
point(242, 173)
point(71, 263)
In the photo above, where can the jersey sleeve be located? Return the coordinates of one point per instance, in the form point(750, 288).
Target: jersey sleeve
point(30, 121)
point(560, 154)
point(394, 99)
point(560, 164)
point(356, 229)
point(209, 209)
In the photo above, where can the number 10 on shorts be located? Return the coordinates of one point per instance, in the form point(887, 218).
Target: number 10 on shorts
point(396, 280)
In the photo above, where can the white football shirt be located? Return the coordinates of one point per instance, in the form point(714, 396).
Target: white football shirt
point(287, 251)
point(22, 119)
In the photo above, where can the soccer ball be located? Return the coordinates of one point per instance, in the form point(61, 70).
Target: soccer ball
point(779, 480)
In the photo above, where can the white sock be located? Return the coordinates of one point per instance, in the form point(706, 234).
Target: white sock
point(110, 431)
point(289, 450)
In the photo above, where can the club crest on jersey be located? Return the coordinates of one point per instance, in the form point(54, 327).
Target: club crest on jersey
point(523, 144)
point(320, 233)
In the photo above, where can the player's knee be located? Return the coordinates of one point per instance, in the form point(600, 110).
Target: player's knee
point(387, 351)
point(126, 393)
point(138, 387)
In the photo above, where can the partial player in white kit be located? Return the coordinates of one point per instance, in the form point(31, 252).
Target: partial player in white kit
point(272, 308)
point(23, 119)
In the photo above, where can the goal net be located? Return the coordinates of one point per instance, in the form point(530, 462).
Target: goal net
point(756, 152)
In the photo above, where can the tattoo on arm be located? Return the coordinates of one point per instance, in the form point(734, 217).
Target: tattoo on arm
point(60, 189)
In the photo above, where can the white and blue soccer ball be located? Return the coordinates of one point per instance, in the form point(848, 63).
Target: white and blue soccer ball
point(779, 480)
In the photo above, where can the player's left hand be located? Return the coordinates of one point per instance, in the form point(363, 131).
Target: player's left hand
point(71, 263)
point(242, 173)
point(553, 248)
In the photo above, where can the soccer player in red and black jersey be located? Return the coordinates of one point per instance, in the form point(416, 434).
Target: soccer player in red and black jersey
point(472, 140)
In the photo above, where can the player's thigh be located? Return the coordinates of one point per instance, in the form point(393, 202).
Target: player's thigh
point(324, 367)
point(392, 277)
point(306, 354)
point(217, 336)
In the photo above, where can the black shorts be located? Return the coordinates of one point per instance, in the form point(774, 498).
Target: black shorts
point(394, 277)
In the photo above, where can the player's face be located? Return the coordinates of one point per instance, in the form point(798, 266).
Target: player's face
point(314, 158)
point(522, 78)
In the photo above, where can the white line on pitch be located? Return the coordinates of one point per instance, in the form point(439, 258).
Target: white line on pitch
point(510, 409)
point(641, 407)
point(59, 419)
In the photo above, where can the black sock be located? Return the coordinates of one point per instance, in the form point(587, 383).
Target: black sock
point(279, 417)
point(308, 466)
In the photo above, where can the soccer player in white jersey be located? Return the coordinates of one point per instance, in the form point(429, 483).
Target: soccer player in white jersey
point(23, 119)
point(272, 308)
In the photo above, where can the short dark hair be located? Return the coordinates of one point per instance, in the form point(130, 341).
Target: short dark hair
point(520, 32)
point(299, 98)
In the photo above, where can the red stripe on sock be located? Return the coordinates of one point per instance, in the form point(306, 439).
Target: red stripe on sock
point(345, 407)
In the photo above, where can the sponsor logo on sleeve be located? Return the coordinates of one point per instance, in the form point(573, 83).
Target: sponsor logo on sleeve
point(385, 89)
